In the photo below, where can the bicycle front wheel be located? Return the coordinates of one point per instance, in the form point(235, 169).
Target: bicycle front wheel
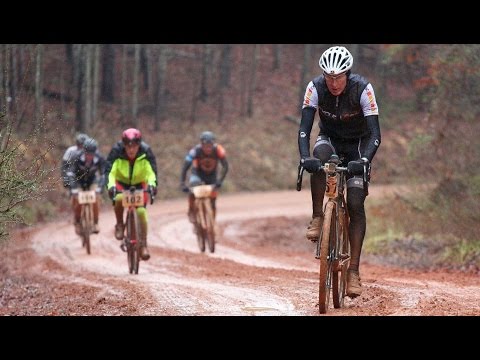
point(210, 226)
point(132, 242)
point(87, 224)
point(342, 259)
point(327, 243)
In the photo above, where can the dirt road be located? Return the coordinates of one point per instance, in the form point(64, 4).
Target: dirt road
point(262, 266)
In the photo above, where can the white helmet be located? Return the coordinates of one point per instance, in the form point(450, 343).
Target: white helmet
point(336, 60)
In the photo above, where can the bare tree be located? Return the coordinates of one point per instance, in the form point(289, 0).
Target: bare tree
point(87, 86)
point(136, 70)
point(160, 88)
point(38, 87)
point(96, 82)
point(253, 81)
point(243, 80)
point(307, 49)
point(207, 49)
point(108, 80)
point(223, 79)
point(123, 109)
point(277, 53)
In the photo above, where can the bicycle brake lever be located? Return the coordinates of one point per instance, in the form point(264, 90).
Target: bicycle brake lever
point(300, 177)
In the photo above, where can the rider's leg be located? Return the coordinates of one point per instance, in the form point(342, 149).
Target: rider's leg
point(356, 209)
point(119, 226)
point(96, 229)
point(191, 207)
point(143, 219)
point(322, 150)
point(77, 213)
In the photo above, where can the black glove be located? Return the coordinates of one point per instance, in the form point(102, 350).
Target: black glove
point(184, 188)
point(112, 192)
point(311, 164)
point(218, 184)
point(153, 190)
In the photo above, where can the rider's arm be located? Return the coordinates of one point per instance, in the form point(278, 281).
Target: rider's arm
point(112, 156)
point(186, 165)
point(370, 111)
point(310, 104)
point(223, 160)
point(151, 158)
point(112, 175)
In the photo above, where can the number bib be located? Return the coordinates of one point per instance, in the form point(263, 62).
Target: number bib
point(133, 199)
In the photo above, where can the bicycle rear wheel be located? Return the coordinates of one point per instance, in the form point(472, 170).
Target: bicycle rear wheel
point(342, 260)
point(199, 221)
point(132, 243)
point(210, 226)
point(86, 223)
point(327, 241)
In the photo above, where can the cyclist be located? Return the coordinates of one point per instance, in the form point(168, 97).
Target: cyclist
point(68, 155)
point(131, 168)
point(86, 172)
point(349, 127)
point(205, 158)
point(119, 149)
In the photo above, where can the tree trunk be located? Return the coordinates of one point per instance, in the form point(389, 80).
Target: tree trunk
point(205, 70)
point(38, 88)
point(79, 63)
point(252, 82)
point(96, 77)
point(136, 70)
point(277, 53)
point(160, 88)
point(88, 87)
point(307, 49)
point(243, 81)
point(14, 81)
point(223, 79)
point(108, 80)
point(123, 109)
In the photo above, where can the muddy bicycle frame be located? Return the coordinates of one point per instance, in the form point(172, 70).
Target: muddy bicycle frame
point(86, 199)
point(333, 247)
point(204, 219)
point(131, 199)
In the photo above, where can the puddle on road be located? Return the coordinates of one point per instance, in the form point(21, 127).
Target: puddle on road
point(259, 308)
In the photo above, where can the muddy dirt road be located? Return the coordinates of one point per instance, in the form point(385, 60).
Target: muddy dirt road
point(262, 266)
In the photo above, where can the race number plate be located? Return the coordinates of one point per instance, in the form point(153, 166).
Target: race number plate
point(133, 199)
point(86, 197)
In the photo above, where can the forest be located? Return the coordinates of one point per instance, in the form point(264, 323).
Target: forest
point(250, 95)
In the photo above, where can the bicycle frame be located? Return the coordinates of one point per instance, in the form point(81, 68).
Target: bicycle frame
point(205, 222)
point(333, 247)
point(132, 199)
point(86, 199)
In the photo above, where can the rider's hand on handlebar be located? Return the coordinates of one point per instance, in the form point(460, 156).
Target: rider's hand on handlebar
point(112, 192)
point(218, 184)
point(310, 164)
point(184, 188)
point(153, 190)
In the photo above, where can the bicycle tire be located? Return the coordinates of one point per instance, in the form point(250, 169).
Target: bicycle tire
point(199, 219)
point(86, 223)
point(138, 244)
point(339, 278)
point(326, 258)
point(209, 226)
point(130, 234)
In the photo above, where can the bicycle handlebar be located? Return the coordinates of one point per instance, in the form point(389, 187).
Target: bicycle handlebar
point(132, 189)
point(330, 167)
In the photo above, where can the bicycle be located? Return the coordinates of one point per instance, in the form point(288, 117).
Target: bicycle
point(333, 247)
point(204, 219)
point(131, 244)
point(86, 199)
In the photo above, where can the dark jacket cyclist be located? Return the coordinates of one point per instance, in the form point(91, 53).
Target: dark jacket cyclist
point(349, 127)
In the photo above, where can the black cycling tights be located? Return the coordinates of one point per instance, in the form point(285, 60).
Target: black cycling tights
point(358, 224)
